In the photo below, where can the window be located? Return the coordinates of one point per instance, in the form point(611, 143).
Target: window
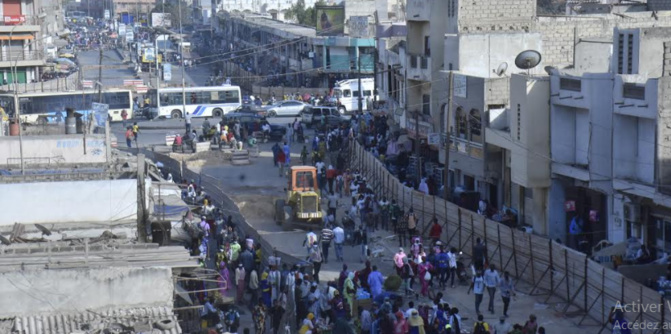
point(304, 180)
point(426, 104)
point(347, 93)
point(475, 122)
point(427, 46)
point(574, 85)
point(367, 93)
point(460, 122)
point(630, 54)
point(633, 91)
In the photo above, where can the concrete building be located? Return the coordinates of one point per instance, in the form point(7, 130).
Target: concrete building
point(259, 6)
point(20, 42)
point(608, 148)
point(518, 151)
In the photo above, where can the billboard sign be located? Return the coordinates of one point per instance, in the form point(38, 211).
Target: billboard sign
point(148, 56)
point(130, 36)
point(358, 26)
point(161, 20)
point(14, 19)
point(122, 29)
point(330, 20)
point(107, 14)
point(167, 72)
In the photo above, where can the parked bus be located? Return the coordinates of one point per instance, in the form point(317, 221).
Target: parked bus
point(40, 108)
point(347, 93)
point(200, 101)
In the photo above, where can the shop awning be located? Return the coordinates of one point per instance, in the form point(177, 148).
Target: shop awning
point(17, 37)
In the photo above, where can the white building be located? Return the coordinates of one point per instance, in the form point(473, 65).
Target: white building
point(607, 145)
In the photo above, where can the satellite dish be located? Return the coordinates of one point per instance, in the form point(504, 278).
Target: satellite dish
point(501, 70)
point(528, 59)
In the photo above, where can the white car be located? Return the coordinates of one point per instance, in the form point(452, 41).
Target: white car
point(285, 108)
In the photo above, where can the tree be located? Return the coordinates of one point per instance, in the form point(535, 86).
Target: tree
point(303, 15)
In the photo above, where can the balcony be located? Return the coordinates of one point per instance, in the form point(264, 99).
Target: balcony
point(419, 68)
point(418, 10)
point(21, 58)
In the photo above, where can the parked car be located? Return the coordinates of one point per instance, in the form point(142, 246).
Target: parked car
point(251, 109)
point(285, 108)
point(253, 123)
point(313, 115)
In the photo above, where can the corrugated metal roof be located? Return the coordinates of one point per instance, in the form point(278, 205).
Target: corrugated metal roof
point(133, 320)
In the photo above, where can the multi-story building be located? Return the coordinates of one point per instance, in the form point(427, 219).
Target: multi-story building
point(608, 143)
point(21, 44)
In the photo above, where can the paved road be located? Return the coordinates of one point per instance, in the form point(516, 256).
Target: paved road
point(89, 60)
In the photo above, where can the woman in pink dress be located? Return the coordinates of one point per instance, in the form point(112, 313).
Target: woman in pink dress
point(224, 280)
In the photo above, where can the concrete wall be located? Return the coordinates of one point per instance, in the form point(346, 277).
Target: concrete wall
point(480, 54)
point(664, 134)
point(69, 202)
point(484, 11)
point(53, 150)
point(77, 290)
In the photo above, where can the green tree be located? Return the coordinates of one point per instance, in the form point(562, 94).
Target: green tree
point(303, 15)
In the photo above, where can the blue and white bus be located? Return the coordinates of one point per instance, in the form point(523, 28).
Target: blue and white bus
point(211, 101)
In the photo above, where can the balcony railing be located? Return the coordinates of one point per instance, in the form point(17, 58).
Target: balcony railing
point(421, 60)
point(21, 55)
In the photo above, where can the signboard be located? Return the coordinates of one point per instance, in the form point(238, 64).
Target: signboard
point(148, 56)
point(358, 26)
point(132, 82)
point(122, 29)
point(87, 84)
point(130, 36)
point(141, 89)
point(330, 20)
point(161, 20)
point(14, 19)
point(100, 113)
point(424, 128)
point(167, 72)
point(107, 14)
point(434, 139)
point(460, 85)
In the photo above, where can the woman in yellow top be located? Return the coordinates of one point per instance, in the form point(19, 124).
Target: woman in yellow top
point(307, 325)
point(350, 290)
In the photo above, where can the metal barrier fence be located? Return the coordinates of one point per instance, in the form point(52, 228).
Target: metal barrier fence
point(585, 288)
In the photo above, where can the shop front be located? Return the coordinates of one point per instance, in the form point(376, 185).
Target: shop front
point(421, 133)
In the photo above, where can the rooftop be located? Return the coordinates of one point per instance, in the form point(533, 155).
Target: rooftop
point(276, 26)
point(132, 320)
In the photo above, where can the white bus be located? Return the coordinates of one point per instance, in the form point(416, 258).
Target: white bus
point(348, 92)
point(200, 101)
point(41, 108)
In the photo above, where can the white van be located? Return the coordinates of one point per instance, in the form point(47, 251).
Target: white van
point(348, 92)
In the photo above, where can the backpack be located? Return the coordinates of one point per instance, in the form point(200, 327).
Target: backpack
point(480, 328)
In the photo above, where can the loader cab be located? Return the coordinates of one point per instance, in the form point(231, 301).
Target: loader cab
point(303, 178)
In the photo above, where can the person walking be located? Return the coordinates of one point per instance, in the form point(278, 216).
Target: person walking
point(412, 223)
point(276, 150)
point(492, 280)
point(480, 326)
point(316, 260)
point(326, 237)
point(253, 286)
point(240, 280)
point(309, 241)
point(478, 287)
point(502, 327)
point(443, 261)
point(479, 254)
point(187, 122)
point(136, 131)
point(124, 117)
point(290, 134)
point(507, 287)
point(338, 240)
point(280, 159)
point(332, 203)
point(129, 137)
point(452, 256)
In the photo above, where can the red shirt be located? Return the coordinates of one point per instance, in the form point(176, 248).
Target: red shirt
point(331, 173)
point(436, 231)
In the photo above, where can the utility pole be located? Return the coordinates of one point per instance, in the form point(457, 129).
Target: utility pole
point(181, 56)
point(448, 134)
point(417, 144)
point(359, 79)
point(100, 76)
point(376, 60)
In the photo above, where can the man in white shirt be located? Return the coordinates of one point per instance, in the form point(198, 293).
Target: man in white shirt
point(320, 167)
point(411, 308)
point(338, 240)
point(492, 280)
